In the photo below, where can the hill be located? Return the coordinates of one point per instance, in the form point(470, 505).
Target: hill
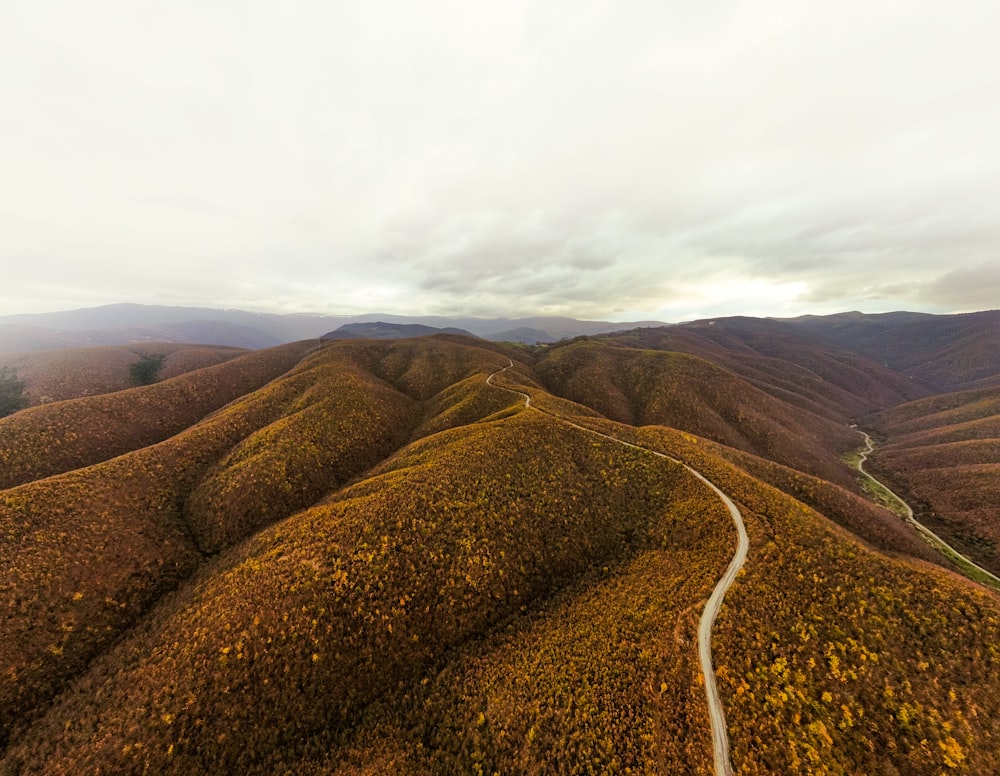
point(383, 330)
point(359, 556)
point(523, 334)
point(69, 373)
point(649, 387)
point(788, 362)
point(61, 436)
point(945, 452)
point(947, 351)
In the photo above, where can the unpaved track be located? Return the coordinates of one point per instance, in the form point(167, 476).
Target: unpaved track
point(717, 716)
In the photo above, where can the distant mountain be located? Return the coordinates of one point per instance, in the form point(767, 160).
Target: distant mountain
point(546, 328)
point(948, 351)
point(524, 334)
point(124, 324)
point(383, 330)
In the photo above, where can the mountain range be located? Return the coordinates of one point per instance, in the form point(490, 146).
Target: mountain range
point(440, 554)
point(123, 324)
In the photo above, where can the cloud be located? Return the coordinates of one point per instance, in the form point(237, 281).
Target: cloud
point(967, 288)
point(589, 157)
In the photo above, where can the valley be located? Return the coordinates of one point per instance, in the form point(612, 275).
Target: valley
point(634, 552)
point(892, 501)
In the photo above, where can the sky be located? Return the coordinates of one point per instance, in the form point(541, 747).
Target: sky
point(604, 159)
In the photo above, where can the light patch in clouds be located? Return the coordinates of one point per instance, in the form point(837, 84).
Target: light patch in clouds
point(593, 158)
point(738, 295)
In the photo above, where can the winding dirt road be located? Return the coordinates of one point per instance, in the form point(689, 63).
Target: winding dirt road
point(965, 564)
point(717, 716)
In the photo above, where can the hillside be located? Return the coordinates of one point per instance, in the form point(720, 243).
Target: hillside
point(945, 451)
point(802, 368)
point(645, 387)
point(947, 351)
point(383, 330)
point(54, 438)
point(360, 557)
point(69, 373)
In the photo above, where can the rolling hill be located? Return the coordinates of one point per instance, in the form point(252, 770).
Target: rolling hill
point(359, 556)
point(652, 387)
point(383, 330)
point(69, 373)
point(948, 351)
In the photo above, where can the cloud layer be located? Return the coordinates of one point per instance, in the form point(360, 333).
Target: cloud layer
point(597, 159)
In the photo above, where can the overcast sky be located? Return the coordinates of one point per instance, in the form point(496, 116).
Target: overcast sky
point(627, 159)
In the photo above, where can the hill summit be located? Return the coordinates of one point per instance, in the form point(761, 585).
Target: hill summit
point(383, 330)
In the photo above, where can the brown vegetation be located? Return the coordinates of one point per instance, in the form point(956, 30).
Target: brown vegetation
point(125, 530)
point(369, 560)
point(942, 414)
point(448, 538)
point(644, 387)
point(853, 662)
point(787, 362)
point(51, 439)
point(69, 373)
point(947, 351)
point(943, 454)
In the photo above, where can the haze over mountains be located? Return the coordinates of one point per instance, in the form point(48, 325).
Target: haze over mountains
point(121, 324)
point(356, 556)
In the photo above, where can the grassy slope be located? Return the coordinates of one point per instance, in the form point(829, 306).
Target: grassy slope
point(948, 351)
point(810, 372)
point(880, 528)
point(85, 553)
point(940, 412)
point(601, 678)
point(122, 532)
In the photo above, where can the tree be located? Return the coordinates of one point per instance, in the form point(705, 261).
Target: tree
point(146, 369)
point(12, 396)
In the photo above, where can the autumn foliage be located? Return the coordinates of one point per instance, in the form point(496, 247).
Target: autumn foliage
point(361, 558)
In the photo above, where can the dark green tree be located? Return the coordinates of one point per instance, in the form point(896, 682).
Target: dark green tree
point(12, 396)
point(146, 369)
